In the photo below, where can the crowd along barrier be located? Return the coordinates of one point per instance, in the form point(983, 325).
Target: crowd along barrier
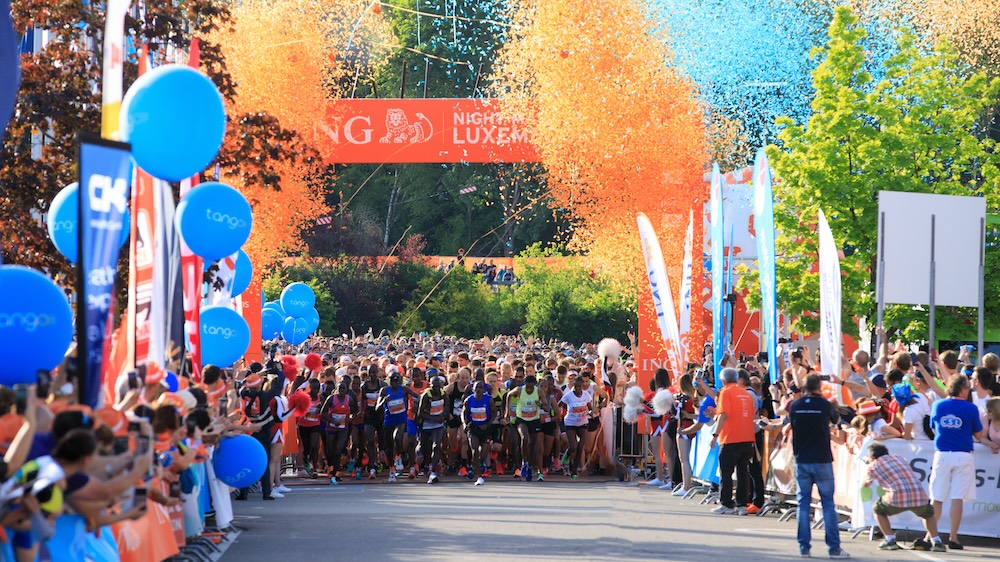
point(979, 518)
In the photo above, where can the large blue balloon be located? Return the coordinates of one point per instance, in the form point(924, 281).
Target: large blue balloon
point(243, 274)
point(63, 217)
point(36, 324)
point(271, 324)
point(312, 317)
point(239, 461)
point(175, 119)
point(296, 330)
point(214, 220)
point(297, 299)
point(225, 336)
point(276, 306)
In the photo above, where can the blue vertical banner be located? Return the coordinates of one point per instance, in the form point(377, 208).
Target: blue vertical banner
point(10, 66)
point(105, 177)
point(717, 235)
point(763, 220)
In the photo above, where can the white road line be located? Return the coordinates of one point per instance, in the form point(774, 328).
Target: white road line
point(927, 556)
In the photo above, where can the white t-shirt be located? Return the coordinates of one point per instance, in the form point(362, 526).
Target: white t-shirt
point(914, 413)
point(576, 408)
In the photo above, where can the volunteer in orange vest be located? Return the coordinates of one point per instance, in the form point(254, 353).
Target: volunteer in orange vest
point(734, 432)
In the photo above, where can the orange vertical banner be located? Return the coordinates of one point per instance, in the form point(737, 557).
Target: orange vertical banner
point(251, 311)
point(652, 352)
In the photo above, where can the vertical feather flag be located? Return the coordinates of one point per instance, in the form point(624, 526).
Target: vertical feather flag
point(829, 299)
point(191, 268)
point(718, 271)
point(763, 219)
point(111, 81)
point(663, 301)
point(685, 292)
point(10, 66)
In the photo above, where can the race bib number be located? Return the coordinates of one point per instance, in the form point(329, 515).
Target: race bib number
point(371, 399)
point(397, 406)
point(339, 420)
point(437, 407)
point(478, 414)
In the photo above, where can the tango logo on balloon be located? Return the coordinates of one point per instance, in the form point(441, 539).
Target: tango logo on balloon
point(298, 303)
point(238, 477)
point(226, 333)
point(27, 321)
point(231, 221)
point(951, 422)
point(63, 226)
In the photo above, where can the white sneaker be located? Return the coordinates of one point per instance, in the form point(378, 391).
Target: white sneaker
point(655, 482)
point(723, 510)
point(399, 464)
point(668, 487)
point(480, 481)
point(392, 477)
point(283, 489)
point(741, 511)
point(680, 492)
point(276, 494)
point(433, 478)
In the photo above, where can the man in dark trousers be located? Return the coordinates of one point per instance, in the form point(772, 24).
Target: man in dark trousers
point(811, 417)
point(257, 409)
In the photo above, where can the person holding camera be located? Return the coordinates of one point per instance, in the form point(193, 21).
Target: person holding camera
point(811, 418)
point(903, 492)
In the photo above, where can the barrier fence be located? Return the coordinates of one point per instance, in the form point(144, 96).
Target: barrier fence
point(979, 518)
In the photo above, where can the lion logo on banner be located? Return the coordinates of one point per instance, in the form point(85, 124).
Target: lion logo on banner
point(399, 130)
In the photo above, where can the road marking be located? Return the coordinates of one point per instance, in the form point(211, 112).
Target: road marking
point(927, 556)
point(343, 489)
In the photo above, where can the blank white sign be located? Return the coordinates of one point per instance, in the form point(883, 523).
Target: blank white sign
point(907, 247)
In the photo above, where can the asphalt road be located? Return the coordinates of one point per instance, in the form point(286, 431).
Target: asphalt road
point(515, 520)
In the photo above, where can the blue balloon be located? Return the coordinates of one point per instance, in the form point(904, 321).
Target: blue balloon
point(295, 330)
point(276, 306)
point(243, 274)
point(214, 220)
point(171, 380)
point(62, 220)
point(271, 324)
point(239, 461)
point(36, 324)
point(175, 120)
point(297, 299)
point(225, 336)
point(312, 317)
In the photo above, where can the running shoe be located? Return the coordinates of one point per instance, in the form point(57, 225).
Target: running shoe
point(921, 544)
point(350, 465)
point(480, 481)
point(938, 546)
point(371, 474)
point(276, 494)
point(413, 472)
point(283, 489)
point(575, 476)
point(528, 475)
point(741, 511)
point(433, 478)
point(752, 509)
point(655, 482)
point(333, 481)
point(556, 465)
point(723, 510)
point(487, 473)
point(840, 554)
point(357, 475)
point(313, 475)
point(392, 476)
point(888, 545)
point(463, 471)
point(541, 476)
point(399, 464)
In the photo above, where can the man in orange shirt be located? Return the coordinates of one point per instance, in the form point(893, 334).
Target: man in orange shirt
point(734, 432)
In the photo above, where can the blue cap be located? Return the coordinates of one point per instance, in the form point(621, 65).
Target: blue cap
point(902, 393)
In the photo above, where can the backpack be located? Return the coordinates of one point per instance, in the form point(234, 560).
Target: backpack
point(927, 427)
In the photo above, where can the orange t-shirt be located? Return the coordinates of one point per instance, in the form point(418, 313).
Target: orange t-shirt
point(739, 406)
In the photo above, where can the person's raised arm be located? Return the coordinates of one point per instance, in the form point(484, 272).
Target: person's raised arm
point(21, 445)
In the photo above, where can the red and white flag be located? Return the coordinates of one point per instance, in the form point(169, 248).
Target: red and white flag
point(191, 268)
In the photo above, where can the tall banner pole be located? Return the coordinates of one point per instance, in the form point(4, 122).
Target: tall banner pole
point(880, 281)
point(766, 256)
point(659, 284)
point(111, 73)
point(105, 173)
point(930, 337)
point(829, 299)
point(718, 272)
point(982, 288)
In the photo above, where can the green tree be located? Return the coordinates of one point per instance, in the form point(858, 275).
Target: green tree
point(460, 305)
point(917, 130)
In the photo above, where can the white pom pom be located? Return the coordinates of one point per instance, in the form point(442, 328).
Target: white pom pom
point(609, 348)
point(633, 397)
point(630, 414)
point(663, 402)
